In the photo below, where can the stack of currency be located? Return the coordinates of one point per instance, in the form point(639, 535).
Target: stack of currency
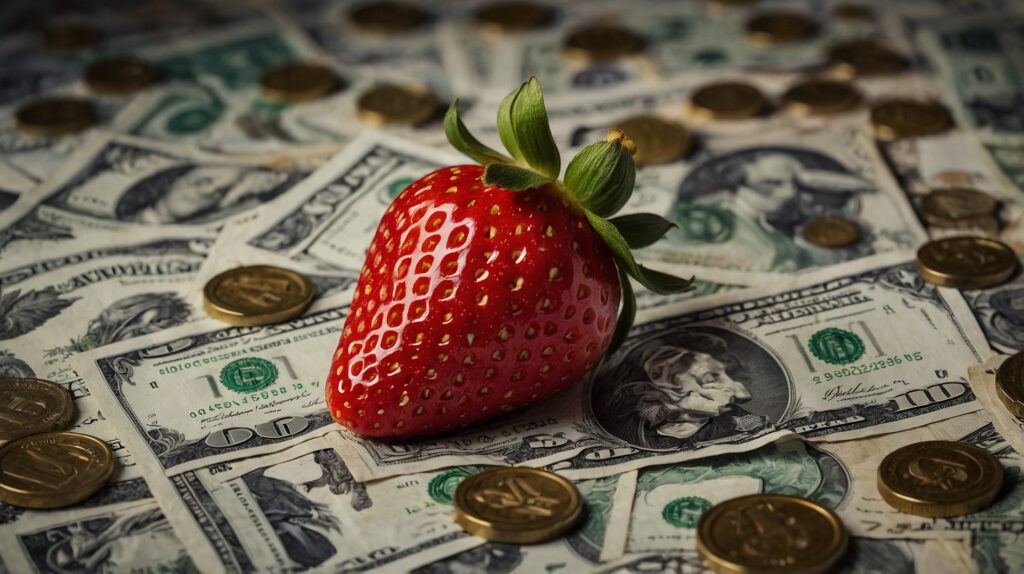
point(188, 191)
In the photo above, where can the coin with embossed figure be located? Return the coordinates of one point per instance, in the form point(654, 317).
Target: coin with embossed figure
point(387, 18)
point(602, 43)
point(54, 117)
point(71, 36)
point(939, 478)
point(30, 406)
point(517, 505)
point(832, 232)
point(297, 82)
point(950, 205)
point(657, 140)
point(908, 118)
point(1010, 384)
point(821, 97)
point(54, 469)
point(257, 295)
point(780, 27)
point(770, 533)
point(865, 57)
point(966, 262)
point(727, 101)
point(397, 105)
point(120, 75)
point(514, 17)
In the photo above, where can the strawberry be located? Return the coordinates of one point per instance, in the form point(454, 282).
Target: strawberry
point(489, 287)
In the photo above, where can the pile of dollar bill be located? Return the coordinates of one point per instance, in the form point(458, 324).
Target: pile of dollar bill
point(188, 189)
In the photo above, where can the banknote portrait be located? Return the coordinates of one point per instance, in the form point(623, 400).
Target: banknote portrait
point(198, 193)
point(491, 558)
point(688, 386)
point(1000, 312)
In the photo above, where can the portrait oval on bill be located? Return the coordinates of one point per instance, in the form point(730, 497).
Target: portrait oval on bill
point(1000, 312)
point(678, 387)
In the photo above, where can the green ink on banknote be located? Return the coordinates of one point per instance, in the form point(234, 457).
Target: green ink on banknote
point(396, 187)
point(686, 511)
point(704, 223)
point(836, 346)
point(442, 487)
point(248, 375)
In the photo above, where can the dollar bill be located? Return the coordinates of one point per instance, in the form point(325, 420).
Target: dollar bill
point(982, 378)
point(7, 198)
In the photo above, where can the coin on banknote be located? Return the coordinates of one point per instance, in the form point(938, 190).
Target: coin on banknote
point(517, 505)
point(966, 262)
point(30, 406)
point(770, 533)
point(779, 27)
point(939, 478)
point(71, 36)
point(832, 232)
point(864, 57)
point(1010, 384)
point(387, 17)
point(55, 469)
point(727, 101)
point(514, 17)
point(853, 11)
point(257, 295)
point(658, 140)
point(297, 82)
point(907, 118)
point(947, 206)
point(397, 104)
point(817, 96)
point(120, 75)
point(602, 43)
point(53, 117)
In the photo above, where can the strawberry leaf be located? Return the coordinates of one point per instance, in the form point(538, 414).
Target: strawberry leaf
point(626, 316)
point(513, 178)
point(642, 229)
point(601, 177)
point(524, 130)
point(657, 281)
point(462, 140)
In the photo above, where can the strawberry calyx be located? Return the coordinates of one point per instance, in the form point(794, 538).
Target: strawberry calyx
point(599, 179)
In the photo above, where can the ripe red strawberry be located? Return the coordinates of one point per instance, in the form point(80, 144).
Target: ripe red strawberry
point(487, 289)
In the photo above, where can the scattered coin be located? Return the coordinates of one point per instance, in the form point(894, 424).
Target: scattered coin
point(966, 262)
point(939, 478)
point(514, 17)
point(32, 406)
point(53, 117)
point(297, 82)
point(821, 97)
point(393, 104)
point(770, 533)
point(954, 206)
point(71, 36)
point(387, 17)
point(120, 75)
point(832, 232)
point(780, 27)
point(1010, 384)
point(657, 140)
point(257, 295)
point(907, 118)
point(54, 469)
point(854, 12)
point(517, 505)
point(602, 43)
point(859, 58)
point(727, 101)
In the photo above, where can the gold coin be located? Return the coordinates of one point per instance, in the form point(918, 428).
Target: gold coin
point(832, 232)
point(297, 82)
point(780, 27)
point(120, 75)
point(854, 12)
point(387, 17)
point(821, 97)
point(257, 295)
point(954, 204)
point(517, 505)
point(1010, 384)
point(859, 58)
point(770, 533)
point(657, 140)
point(393, 104)
point(966, 262)
point(71, 36)
point(54, 469)
point(53, 117)
point(907, 118)
point(31, 406)
point(727, 101)
point(514, 17)
point(602, 43)
point(939, 478)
